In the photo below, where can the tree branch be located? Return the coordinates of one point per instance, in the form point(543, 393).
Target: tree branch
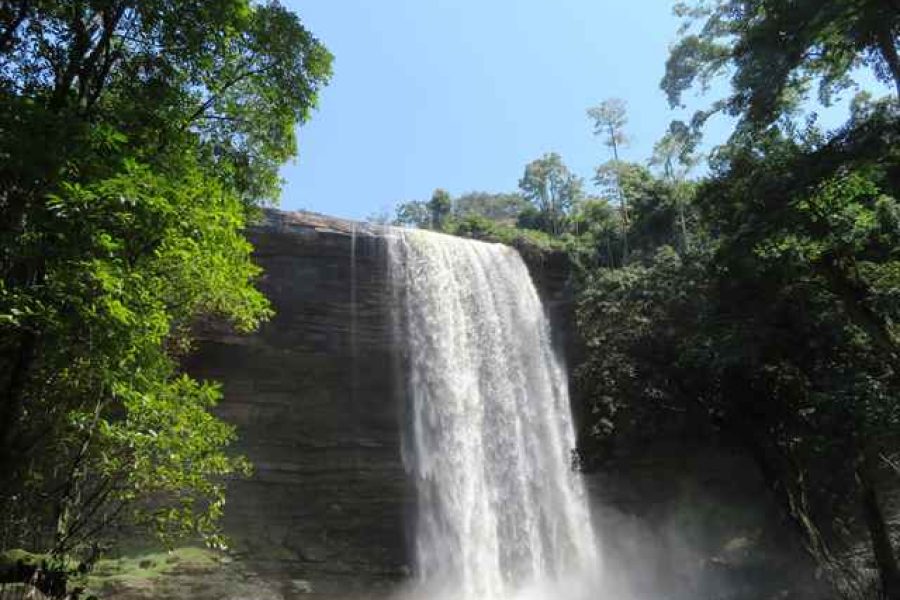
point(88, 96)
point(215, 97)
point(887, 45)
point(9, 33)
point(80, 47)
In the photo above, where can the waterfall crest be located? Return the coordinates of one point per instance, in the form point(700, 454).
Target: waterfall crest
point(500, 510)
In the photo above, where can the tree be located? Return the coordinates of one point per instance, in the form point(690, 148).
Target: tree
point(598, 231)
point(775, 49)
point(549, 185)
point(610, 118)
point(136, 141)
point(660, 209)
point(675, 153)
point(413, 214)
point(425, 215)
point(439, 206)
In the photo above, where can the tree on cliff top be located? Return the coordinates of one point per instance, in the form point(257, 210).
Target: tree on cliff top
point(136, 139)
point(440, 207)
point(553, 190)
point(610, 118)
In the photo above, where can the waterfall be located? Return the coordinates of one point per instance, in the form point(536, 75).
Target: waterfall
point(500, 510)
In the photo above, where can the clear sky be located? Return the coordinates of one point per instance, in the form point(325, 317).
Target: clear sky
point(461, 94)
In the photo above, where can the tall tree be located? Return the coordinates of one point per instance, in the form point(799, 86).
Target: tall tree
point(440, 207)
point(610, 118)
point(676, 154)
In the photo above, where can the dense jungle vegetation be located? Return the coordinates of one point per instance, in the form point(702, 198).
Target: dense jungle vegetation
point(758, 302)
point(756, 298)
point(136, 140)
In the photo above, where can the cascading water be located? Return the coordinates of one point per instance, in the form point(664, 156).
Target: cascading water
point(501, 513)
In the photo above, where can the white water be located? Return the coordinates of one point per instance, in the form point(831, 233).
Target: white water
point(501, 513)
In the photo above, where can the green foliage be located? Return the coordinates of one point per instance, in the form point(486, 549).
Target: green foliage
point(529, 242)
point(776, 50)
point(609, 119)
point(657, 208)
point(10, 560)
point(634, 321)
point(503, 208)
point(441, 211)
point(136, 141)
point(760, 307)
point(553, 190)
point(439, 206)
point(413, 214)
point(145, 569)
point(775, 329)
point(659, 214)
point(676, 152)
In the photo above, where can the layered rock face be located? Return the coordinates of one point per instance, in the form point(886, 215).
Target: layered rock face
point(316, 397)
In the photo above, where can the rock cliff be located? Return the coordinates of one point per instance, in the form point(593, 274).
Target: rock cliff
point(313, 395)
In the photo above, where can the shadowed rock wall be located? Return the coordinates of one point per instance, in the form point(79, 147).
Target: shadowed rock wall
point(313, 395)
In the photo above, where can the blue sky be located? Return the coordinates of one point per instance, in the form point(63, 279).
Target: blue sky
point(461, 94)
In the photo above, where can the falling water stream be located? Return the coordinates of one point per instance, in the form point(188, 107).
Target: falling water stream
point(501, 514)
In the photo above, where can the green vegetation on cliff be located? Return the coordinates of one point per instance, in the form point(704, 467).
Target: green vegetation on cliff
point(760, 305)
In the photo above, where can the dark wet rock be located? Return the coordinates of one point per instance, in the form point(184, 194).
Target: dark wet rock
point(314, 397)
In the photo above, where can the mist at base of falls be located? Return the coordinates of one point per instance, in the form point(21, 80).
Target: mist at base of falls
point(501, 514)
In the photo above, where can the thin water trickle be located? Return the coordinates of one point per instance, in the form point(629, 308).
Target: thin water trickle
point(500, 512)
point(358, 454)
point(354, 309)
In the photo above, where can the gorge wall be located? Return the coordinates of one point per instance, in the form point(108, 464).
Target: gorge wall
point(316, 398)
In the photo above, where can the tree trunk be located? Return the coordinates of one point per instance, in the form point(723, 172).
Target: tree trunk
point(888, 47)
point(789, 489)
point(854, 295)
point(623, 201)
point(882, 548)
point(6, 38)
point(12, 404)
point(686, 244)
point(76, 54)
